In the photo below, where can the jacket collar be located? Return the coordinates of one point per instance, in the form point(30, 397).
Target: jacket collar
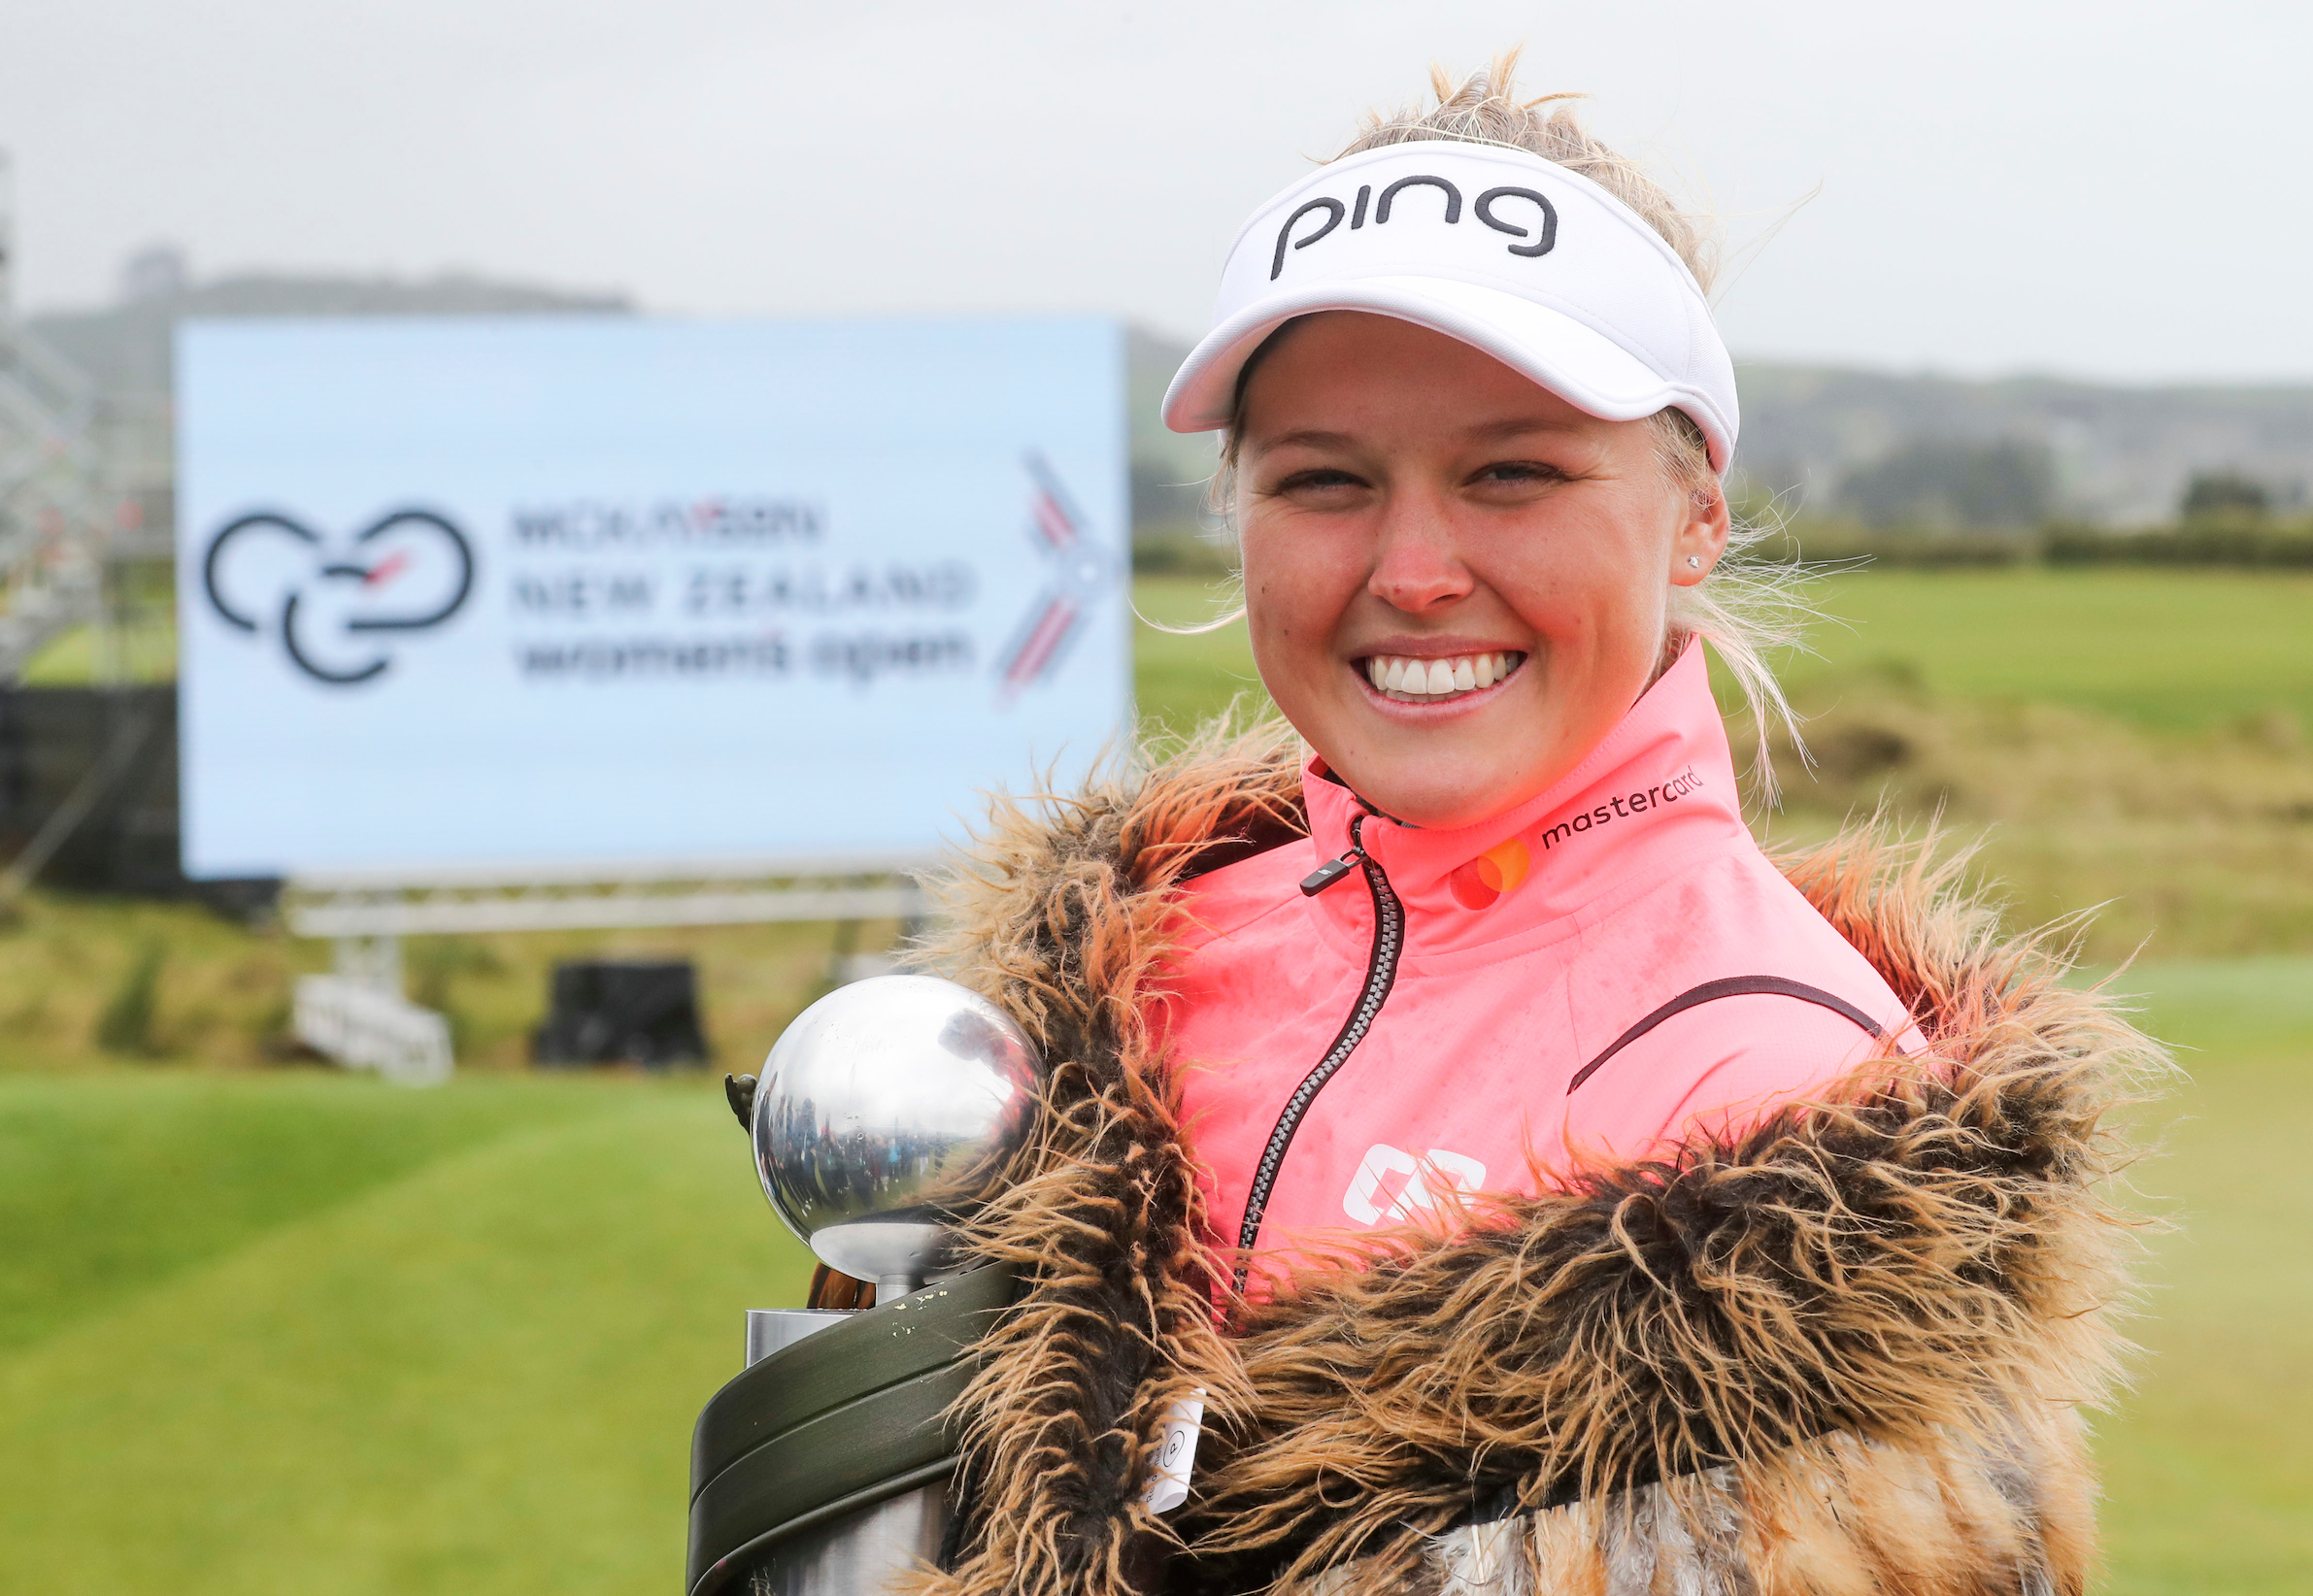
point(1658, 792)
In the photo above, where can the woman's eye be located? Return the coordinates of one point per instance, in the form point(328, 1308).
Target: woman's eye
point(1520, 473)
point(1319, 480)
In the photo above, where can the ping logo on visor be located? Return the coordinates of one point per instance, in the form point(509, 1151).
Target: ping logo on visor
point(1511, 254)
point(1544, 233)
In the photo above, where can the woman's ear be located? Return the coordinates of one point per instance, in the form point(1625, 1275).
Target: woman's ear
point(1697, 545)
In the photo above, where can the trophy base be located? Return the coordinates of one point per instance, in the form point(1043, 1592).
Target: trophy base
point(771, 1330)
point(819, 1470)
point(858, 1553)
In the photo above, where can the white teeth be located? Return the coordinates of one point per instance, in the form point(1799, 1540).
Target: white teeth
point(1413, 680)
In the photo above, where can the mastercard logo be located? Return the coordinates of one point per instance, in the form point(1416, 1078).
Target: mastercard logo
point(1481, 882)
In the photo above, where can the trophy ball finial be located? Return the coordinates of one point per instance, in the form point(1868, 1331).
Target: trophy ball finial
point(882, 1115)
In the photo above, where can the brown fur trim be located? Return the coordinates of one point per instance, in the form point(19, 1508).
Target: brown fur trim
point(1066, 918)
point(1839, 1349)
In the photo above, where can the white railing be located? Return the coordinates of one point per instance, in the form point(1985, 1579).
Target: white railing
point(364, 1026)
point(603, 897)
point(359, 1017)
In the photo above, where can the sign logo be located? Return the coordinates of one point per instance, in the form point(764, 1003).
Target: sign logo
point(1080, 570)
point(337, 608)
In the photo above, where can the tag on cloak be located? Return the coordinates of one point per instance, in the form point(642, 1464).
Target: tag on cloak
point(1176, 1454)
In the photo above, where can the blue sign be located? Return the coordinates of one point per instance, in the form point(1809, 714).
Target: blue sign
point(575, 592)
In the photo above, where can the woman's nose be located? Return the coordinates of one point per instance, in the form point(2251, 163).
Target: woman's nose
point(1417, 567)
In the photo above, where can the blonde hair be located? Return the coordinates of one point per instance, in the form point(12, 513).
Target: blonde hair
point(1745, 608)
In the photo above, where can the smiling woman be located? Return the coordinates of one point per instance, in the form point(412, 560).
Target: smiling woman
point(1415, 515)
point(1587, 1201)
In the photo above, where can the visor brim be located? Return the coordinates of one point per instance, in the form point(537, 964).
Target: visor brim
point(1568, 357)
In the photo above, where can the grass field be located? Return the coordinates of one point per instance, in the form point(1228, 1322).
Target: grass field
point(281, 1335)
point(467, 1363)
point(266, 1328)
point(2180, 651)
point(2210, 1462)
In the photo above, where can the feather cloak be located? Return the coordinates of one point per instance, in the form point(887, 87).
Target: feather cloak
point(1844, 1349)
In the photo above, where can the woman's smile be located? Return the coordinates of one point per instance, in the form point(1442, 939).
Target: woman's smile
point(1436, 680)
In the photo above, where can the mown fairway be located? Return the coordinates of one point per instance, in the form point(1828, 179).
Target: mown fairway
point(470, 1364)
point(274, 1330)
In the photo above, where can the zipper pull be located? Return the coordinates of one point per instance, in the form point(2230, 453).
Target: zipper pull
point(1331, 871)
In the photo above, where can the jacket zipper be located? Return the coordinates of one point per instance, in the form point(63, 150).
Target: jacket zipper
point(1381, 970)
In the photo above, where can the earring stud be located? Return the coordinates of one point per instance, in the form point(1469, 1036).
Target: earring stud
point(1695, 562)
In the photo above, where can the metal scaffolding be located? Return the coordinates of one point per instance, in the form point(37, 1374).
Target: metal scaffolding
point(71, 491)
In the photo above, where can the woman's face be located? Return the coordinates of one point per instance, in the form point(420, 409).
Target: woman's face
point(1413, 509)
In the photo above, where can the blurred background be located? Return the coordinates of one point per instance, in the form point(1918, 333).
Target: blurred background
point(2026, 365)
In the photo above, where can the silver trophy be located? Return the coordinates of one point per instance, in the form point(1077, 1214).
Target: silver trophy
point(884, 1115)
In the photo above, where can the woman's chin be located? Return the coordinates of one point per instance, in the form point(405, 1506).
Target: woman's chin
point(1439, 793)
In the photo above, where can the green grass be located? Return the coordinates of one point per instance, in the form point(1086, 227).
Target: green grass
point(2173, 650)
point(121, 1181)
point(476, 1376)
point(1181, 681)
point(2210, 1462)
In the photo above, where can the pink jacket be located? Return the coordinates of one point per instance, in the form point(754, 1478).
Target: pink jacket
point(1476, 1008)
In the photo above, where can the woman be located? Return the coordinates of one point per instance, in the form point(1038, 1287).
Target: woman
point(1709, 1226)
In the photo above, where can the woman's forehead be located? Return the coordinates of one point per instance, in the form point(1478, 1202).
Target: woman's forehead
point(1351, 359)
point(1333, 385)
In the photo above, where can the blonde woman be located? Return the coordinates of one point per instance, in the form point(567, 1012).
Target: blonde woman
point(1533, 1181)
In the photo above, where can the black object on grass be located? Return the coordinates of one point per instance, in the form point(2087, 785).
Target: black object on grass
point(621, 1012)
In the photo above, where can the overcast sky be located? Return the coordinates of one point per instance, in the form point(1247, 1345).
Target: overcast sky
point(2109, 190)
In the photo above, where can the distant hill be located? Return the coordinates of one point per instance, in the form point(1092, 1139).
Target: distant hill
point(2118, 456)
point(1915, 449)
point(124, 348)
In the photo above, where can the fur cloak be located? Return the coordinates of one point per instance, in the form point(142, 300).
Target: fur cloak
point(1843, 1350)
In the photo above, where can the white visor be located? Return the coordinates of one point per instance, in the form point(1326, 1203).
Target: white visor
point(1543, 270)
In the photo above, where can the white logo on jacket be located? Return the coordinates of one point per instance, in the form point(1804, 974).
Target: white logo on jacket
point(1370, 1200)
